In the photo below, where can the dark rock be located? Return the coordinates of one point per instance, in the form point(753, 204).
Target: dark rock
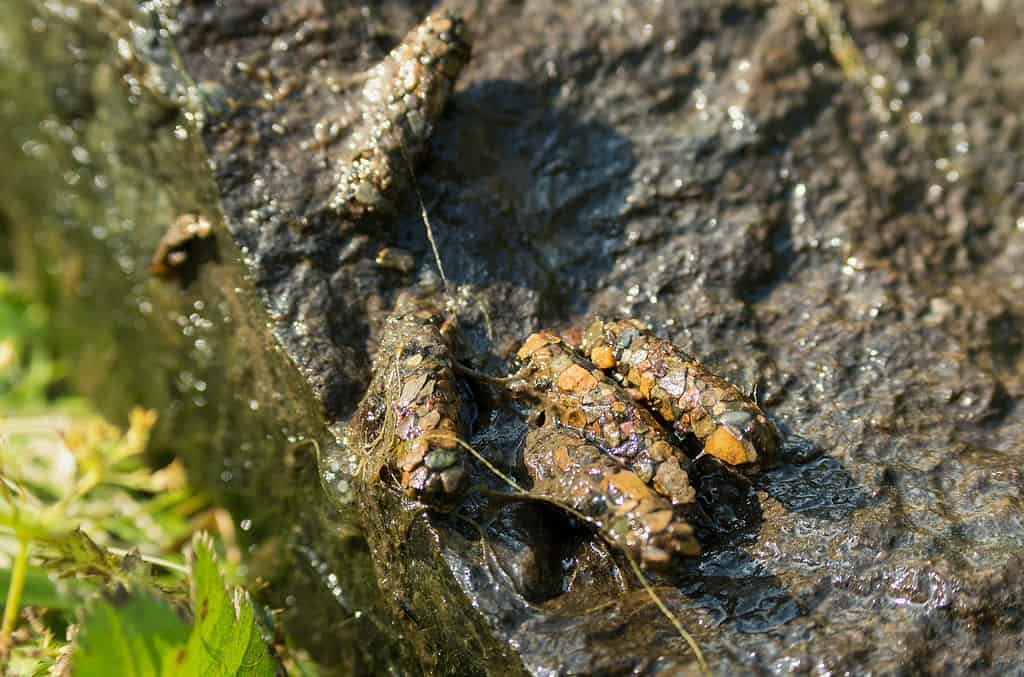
point(850, 240)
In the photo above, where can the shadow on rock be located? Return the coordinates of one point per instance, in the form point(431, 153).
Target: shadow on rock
point(737, 590)
point(727, 582)
point(525, 201)
point(809, 482)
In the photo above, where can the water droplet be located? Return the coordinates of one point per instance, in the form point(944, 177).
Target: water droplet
point(81, 155)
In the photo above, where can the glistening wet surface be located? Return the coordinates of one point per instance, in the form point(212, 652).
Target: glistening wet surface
point(819, 198)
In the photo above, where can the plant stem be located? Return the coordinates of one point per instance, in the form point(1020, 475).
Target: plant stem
point(14, 594)
point(149, 559)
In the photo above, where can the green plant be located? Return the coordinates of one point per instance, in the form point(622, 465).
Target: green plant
point(91, 537)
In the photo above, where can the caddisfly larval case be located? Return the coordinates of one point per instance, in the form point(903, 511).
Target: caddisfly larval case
point(413, 417)
point(729, 424)
point(581, 397)
point(402, 99)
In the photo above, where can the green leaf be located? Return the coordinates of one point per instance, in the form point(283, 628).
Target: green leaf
point(75, 555)
point(141, 638)
point(146, 638)
point(226, 640)
point(40, 591)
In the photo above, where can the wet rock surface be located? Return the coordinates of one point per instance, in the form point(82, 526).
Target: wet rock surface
point(822, 199)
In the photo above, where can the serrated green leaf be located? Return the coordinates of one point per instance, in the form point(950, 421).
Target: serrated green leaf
point(143, 637)
point(226, 641)
point(146, 638)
